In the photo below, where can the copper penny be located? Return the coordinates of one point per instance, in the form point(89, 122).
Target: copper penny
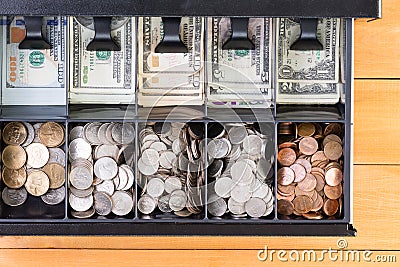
point(288, 198)
point(287, 145)
point(286, 190)
point(299, 172)
point(14, 157)
point(331, 137)
point(285, 128)
point(331, 206)
point(308, 184)
point(299, 192)
point(51, 134)
point(285, 176)
point(308, 145)
point(14, 178)
point(333, 164)
point(302, 204)
point(14, 133)
point(56, 174)
point(319, 170)
point(312, 215)
point(320, 181)
point(333, 176)
point(286, 156)
point(37, 183)
point(333, 128)
point(333, 150)
point(305, 163)
point(306, 129)
point(318, 129)
point(285, 207)
point(318, 203)
point(333, 192)
point(318, 156)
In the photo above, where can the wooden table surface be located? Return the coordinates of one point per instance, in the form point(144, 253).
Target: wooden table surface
point(376, 189)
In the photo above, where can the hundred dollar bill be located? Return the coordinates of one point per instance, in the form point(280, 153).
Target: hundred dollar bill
point(240, 66)
point(102, 73)
point(308, 93)
point(151, 33)
point(35, 68)
point(308, 66)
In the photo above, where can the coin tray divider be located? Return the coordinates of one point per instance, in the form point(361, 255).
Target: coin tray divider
point(341, 113)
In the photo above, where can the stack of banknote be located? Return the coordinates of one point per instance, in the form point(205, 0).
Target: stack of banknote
point(102, 76)
point(169, 79)
point(308, 77)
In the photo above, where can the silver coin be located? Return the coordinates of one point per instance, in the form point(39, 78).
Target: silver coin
point(123, 178)
point(255, 207)
point(14, 197)
point(131, 176)
point(218, 207)
point(146, 204)
point(269, 210)
point(177, 146)
point(57, 155)
point(219, 148)
point(241, 193)
point(171, 184)
point(122, 203)
point(150, 137)
point(177, 200)
point(116, 22)
point(102, 203)
point(163, 204)
point(105, 168)
point(263, 168)
point(37, 126)
point(109, 131)
point(223, 187)
point(31, 134)
point(155, 187)
point(252, 145)
point(80, 203)
point(111, 151)
point(83, 214)
point(106, 187)
point(127, 152)
point(102, 134)
point(37, 154)
point(146, 145)
point(76, 132)
point(81, 178)
point(158, 146)
point(166, 159)
point(236, 207)
point(242, 173)
point(147, 169)
point(79, 148)
point(237, 134)
point(90, 132)
point(150, 157)
point(123, 133)
point(261, 191)
point(81, 193)
point(54, 196)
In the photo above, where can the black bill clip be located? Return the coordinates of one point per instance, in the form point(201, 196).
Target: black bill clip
point(239, 38)
point(171, 41)
point(308, 37)
point(34, 37)
point(102, 40)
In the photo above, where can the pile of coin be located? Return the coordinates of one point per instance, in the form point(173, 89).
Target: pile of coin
point(33, 162)
point(310, 176)
point(240, 173)
point(101, 175)
point(171, 168)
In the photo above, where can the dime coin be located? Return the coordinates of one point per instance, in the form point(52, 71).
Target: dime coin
point(80, 203)
point(237, 135)
point(241, 193)
point(223, 187)
point(146, 204)
point(236, 207)
point(150, 157)
point(122, 203)
point(217, 208)
point(171, 184)
point(30, 135)
point(37, 183)
point(38, 155)
point(105, 168)
point(14, 197)
point(252, 144)
point(14, 178)
point(177, 200)
point(14, 157)
point(14, 133)
point(147, 169)
point(51, 134)
point(255, 207)
point(102, 203)
point(56, 174)
point(54, 196)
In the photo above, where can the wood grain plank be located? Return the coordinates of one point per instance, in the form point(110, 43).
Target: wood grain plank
point(376, 217)
point(376, 49)
point(77, 257)
point(376, 121)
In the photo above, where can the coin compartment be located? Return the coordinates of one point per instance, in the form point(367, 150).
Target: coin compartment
point(33, 207)
point(177, 172)
point(263, 171)
point(130, 151)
